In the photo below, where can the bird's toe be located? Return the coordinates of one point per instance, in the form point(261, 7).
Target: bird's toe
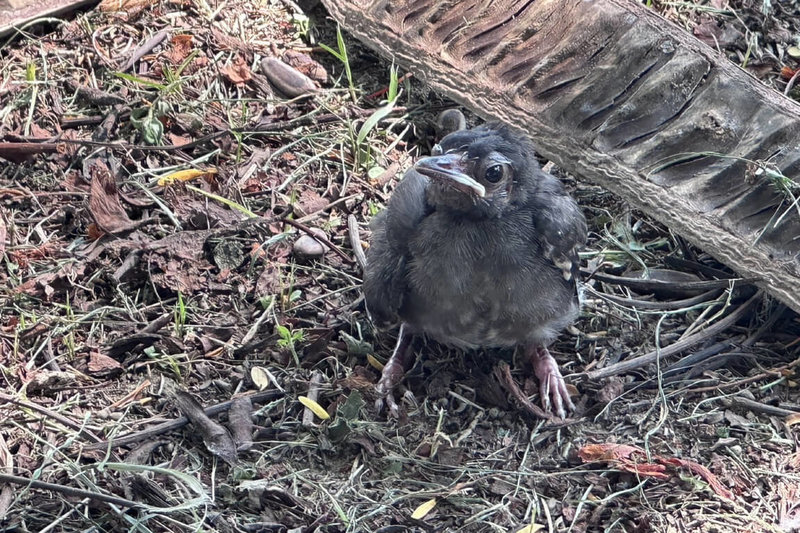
point(387, 401)
point(553, 388)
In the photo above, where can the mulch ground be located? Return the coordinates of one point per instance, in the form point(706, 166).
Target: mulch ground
point(179, 354)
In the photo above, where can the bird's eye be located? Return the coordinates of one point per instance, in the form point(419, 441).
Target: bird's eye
point(437, 149)
point(494, 173)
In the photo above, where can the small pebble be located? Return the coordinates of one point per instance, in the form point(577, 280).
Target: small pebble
point(306, 247)
point(288, 80)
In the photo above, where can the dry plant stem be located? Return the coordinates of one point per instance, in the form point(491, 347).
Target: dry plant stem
point(52, 414)
point(791, 83)
point(95, 96)
point(69, 491)
point(145, 49)
point(275, 126)
point(698, 357)
point(319, 239)
point(503, 373)
point(176, 424)
point(670, 305)
point(131, 395)
point(355, 241)
point(638, 362)
point(652, 285)
point(387, 175)
point(313, 394)
point(251, 333)
point(759, 407)
point(780, 371)
point(52, 362)
point(324, 118)
point(742, 382)
point(18, 152)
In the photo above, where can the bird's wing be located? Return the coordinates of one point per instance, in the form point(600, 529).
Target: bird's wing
point(385, 277)
point(560, 227)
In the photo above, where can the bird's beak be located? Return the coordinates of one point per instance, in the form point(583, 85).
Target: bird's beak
point(449, 167)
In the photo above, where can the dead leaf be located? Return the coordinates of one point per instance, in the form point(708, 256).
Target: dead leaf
point(425, 508)
point(102, 364)
point(306, 65)
point(128, 7)
point(314, 407)
point(608, 452)
point(531, 528)
point(644, 469)
point(703, 472)
point(104, 203)
point(622, 456)
point(238, 72)
point(260, 377)
point(787, 73)
point(181, 47)
point(612, 390)
point(185, 175)
point(309, 202)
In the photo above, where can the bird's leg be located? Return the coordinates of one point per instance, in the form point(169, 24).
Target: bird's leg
point(551, 384)
point(394, 370)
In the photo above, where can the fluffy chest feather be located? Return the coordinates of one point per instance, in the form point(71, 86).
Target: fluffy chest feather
point(484, 283)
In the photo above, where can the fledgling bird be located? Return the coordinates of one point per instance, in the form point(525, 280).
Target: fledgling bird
point(477, 248)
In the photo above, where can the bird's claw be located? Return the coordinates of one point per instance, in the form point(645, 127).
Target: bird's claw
point(552, 387)
point(385, 388)
point(388, 401)
point(556, 395)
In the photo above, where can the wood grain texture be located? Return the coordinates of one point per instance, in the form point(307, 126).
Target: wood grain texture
point(612, 92)
point(17, 13)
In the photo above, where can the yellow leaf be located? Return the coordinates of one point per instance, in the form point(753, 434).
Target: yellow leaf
point(532, 528)
point(185, 175)
point(315, 407)
point(425, 508)
point(260, 377)
point(374, 362)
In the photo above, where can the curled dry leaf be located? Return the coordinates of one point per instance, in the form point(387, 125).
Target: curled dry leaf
point(423, 510)
point(314, 407)
point(260, 377)
point(374, 363)
point(632, 459)
point(306, 65)
point(237, 72)
point(104, 204)
point(531, 528)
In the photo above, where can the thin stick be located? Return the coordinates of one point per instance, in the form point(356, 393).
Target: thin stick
point(638, 362)
point(355, 242)
point(319, 238)
point(52, 414)
point(69, 491)
point(177, 423)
